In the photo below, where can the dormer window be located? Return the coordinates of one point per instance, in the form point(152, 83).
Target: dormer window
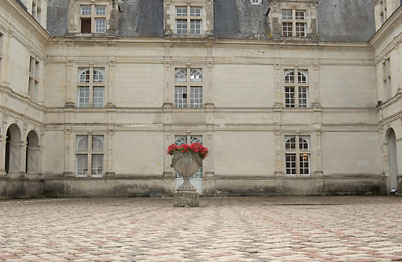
point(185, 18)
point(294, 23)
point(93, 18)
point(188, 20)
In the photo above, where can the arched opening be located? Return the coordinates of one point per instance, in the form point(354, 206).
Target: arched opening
point(393, 159)
point(32, 153)
point(13, 149)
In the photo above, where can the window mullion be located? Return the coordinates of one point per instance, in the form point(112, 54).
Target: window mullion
point(297, 155)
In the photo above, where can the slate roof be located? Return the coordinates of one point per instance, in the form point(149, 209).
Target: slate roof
point(338, 20)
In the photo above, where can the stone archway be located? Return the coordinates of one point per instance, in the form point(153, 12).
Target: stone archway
point(32, 153)
point(13, 149)
point(392, 159)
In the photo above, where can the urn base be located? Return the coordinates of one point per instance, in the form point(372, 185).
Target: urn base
point(186, 199)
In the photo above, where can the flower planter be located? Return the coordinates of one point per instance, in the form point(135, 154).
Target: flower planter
point(187, 159)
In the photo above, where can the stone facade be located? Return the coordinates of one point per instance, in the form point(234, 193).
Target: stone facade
point(91, 113)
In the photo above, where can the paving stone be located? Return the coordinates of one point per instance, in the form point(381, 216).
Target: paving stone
point(221, 230)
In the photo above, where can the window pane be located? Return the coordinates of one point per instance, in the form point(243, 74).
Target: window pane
point(181, 27)
point(196, 75)
point(304, 143)
point(83, 96)
point(180, 140)
point(290, 142)
point(289, 76)
point(82, 143)
point(195, 27)
point(181, 11)
point(82, 165)
point(99, 96)
point(301, 29)
point(300, 14)
point(97, 165)
point(85, 10)
point(97, 143)
point(100, 25)
point(302, 76)
point(287, 29)
point(99, 75)
point(100, 10)
point(303, 96)
point(289, 97)
point(181, 75)
point(180, 97)
point(83, 74)
point(195, 11)
point(304, 159)
point(286, 14)
point(290, 164)
point(196, 97)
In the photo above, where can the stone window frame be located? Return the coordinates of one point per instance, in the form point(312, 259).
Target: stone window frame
point(297, 160)
point(310, 24)
point(293, 98)
point(91, 84)
point(90, 152)
point(191, 88)
point(33, 78)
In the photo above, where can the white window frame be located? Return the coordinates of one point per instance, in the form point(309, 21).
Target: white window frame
point(95, 16)
point(93, 79)
point(295, 23)
point(91, 153)
point(296, 88)
point(256, 2)
point(297, 154)
point(189, 89)
point(193, 21)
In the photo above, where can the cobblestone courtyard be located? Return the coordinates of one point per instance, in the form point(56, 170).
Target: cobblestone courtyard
point(235, 229)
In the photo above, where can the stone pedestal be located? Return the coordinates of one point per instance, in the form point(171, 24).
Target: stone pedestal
point(186, 199)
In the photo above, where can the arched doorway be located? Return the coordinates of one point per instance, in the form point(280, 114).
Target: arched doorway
point(393, 159)
point(13, 149)
point(32, 153)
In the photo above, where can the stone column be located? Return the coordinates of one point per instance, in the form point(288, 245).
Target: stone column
point(279, 168)
point(68, 153)
point(168, 79)
point(111, 83)
point(69, 89)
point(110, 154)
point(209, 180)
point(168, 174)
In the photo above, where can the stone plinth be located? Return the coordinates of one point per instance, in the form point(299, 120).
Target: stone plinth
point(186, 199)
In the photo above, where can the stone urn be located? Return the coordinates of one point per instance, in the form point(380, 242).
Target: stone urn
point(186, 164)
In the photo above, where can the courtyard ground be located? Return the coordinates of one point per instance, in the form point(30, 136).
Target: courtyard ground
point(222, 229)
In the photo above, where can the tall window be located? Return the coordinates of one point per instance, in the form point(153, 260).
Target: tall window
point(89, 156)
point(91, 87)
point(93, 18)
point(297, 156)
point(37, 9)
point(33, 83)
point(294, 23)
point(188, 88)
point(296, 88)
point(188, 20)
point(386, 69)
